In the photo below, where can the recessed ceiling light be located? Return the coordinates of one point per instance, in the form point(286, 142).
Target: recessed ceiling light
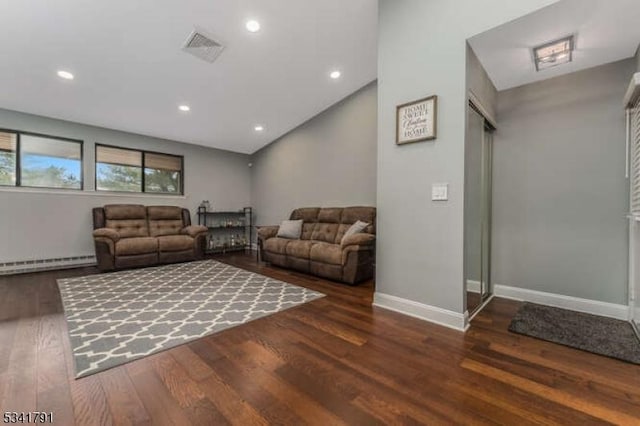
point(554, 53)
point(253, 26)
point(184, 108)
point(258, 128)
point(65, 74)
point(335, 74)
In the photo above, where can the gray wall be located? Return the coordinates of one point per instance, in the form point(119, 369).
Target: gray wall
point(560, 194)
point(479, 83)
point(422, 52)
point(46, 224)
point(328, 161)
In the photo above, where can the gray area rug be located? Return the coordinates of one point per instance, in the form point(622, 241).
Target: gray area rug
point(599, 335)
point(118, 317)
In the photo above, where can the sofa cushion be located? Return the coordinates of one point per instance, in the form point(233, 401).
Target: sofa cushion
point(326, 253)
point(307, 230)
point(365, 214)
point(290, 229)
point(342, 229)
point(325, 232)
point(310, 216)
point(164, 220)
point(128, 220)
point(307, 214)
point(299, 248)
point(124, 211)
point(136, 245)
point(276, 245)
point(175, 243)
point(129, 228)
point(164, 213)
point(330, 215)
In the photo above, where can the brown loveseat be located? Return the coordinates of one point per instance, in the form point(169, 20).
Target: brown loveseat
point(320, 249)
point(129, 235)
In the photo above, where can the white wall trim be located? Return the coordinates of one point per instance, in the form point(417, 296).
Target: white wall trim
point(473, 286)
point(455, 320)
point(36, 265)
point(589, 306)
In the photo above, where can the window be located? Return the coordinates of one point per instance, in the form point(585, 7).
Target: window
point(40, 161)
point(118, 169)
point(8, 149)
point(128, 170)
point(162, 173)
point(50, 163)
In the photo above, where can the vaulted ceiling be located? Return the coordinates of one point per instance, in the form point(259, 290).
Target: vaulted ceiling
point(131, 74)
point(604, 30)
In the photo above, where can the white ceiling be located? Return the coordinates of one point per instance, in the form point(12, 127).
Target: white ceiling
point(605, 31)
point(131, 74)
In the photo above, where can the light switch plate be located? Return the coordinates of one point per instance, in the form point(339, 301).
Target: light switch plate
point(440, 192)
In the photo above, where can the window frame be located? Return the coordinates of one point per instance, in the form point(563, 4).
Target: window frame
point(19, 134)
point(143, 153)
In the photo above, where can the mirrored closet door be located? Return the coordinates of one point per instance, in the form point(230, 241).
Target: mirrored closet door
point(477, 213)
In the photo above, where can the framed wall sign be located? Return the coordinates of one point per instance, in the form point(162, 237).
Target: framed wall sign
point(417, 121)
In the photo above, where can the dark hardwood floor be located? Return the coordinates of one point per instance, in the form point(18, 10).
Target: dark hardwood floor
point(335, 360)
point(473, 300)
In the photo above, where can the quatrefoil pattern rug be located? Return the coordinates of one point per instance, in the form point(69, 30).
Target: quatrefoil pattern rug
point(118, 317)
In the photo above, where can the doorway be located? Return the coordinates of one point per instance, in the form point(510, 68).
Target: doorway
point(477, 211)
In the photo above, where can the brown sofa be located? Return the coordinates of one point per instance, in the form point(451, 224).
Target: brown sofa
point(130, 235)
point(320, 249)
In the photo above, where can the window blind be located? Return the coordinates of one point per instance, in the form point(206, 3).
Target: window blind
point(118, 157)
point(8, 141)
point(162, 162)
point(48, 147)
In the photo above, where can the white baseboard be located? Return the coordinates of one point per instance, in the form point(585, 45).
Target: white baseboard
point(473, 286)
point(440, 316)
point(589, 306)
point(36, 265)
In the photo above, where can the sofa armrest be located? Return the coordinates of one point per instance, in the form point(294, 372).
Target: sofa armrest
point(194, 230)
point(266, 232)
point(106, 233)
point(361, 239)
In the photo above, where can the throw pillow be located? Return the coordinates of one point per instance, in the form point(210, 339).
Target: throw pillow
point(356, 228)
point(291, 229)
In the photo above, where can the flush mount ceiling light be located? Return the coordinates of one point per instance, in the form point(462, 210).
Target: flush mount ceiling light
point(258, 128)
point(554, 53)
point(335, 74)
point(184, 108)
point(253, 26)
point(65, 74)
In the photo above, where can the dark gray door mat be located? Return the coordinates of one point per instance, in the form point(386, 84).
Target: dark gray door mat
point(599, 335)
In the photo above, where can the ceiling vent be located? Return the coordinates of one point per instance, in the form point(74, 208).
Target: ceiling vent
point(203, 46)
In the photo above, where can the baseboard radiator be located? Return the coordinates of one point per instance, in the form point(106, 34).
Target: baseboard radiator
point(36, 265)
